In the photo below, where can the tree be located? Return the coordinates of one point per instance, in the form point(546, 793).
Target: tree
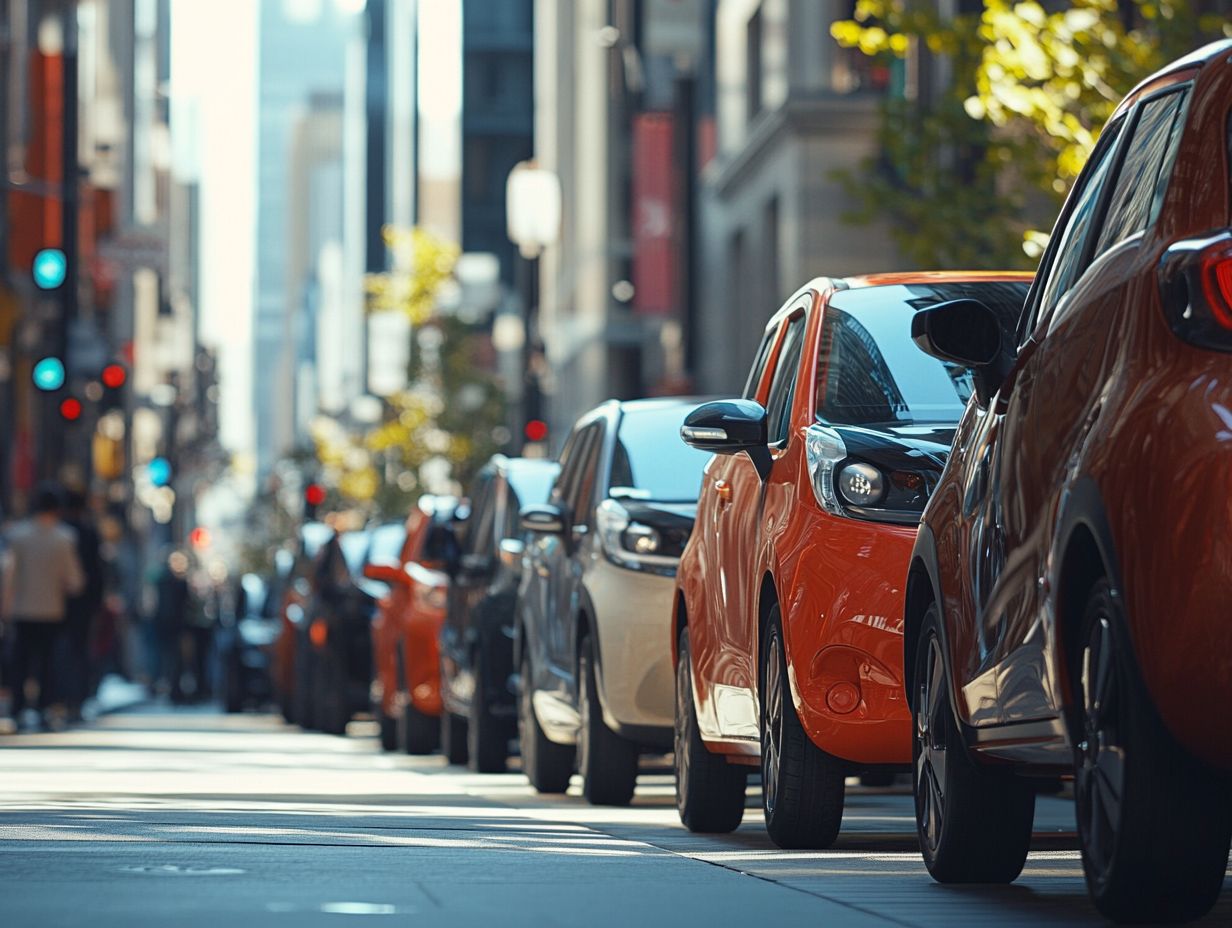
point(968, 169)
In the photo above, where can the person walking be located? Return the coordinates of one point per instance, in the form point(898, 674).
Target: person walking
point(77, 682)
point(43, 573)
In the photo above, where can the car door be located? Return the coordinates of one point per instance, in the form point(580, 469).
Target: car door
point(706, 640)
point(466, 589)
point(1080, 344)
point(740, 536)
point(1006, 495)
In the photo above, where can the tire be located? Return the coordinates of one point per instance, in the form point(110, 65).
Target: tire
point(803, 787)
point(1154, 822)
point(332, 710)
point(453, 738)
point(974, 823)
point(606, 761)
point(548, 765)
point(709, 791)
point(388, 729)
point(419, 733)
point(487, 737)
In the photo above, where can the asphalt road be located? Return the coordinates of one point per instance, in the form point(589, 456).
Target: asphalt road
point(195, 818)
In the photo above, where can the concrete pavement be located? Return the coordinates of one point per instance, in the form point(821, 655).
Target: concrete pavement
point(196, 818)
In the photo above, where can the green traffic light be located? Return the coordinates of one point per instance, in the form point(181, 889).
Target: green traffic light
point(50, 268)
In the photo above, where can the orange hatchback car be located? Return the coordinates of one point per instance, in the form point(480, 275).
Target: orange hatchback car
point(789, 607)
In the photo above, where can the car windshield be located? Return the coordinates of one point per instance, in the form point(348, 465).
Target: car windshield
point(531, 485)
point(869, 370)
point(387, 541)
point(651, 462)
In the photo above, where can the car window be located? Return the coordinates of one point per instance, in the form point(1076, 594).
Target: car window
point(479, 525)
point(387, 541)
point(1145, 170)
point(1065, 260)
point(869, 371)
point(646, 466)
point(581, 490)
point(783, 386)
point(759, 365)
point(568, 469)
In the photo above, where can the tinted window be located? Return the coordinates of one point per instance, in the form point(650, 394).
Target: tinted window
point(478, 533)
point(1070, 246)
point(783, 386)
point(579, 486)
point(1144, 173)
point(651, 462)
point(354, 547)
point(759, 365)
point(869, 370)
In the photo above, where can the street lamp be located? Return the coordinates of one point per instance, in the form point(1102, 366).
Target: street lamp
point(532, 218)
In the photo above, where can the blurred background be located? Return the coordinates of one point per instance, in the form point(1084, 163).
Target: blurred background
point(267, 260)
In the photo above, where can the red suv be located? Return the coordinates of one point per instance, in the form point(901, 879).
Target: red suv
point(788, 607)
point(1069, 602)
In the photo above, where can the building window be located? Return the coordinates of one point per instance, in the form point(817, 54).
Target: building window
point(753, 65)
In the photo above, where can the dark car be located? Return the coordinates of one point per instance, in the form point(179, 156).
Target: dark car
point(595, 659)
point(244, 641)
point(335, 643)
point(1068, 603)
point(477, 638)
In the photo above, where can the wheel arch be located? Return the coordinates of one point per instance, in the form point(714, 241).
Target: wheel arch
point(922, 590)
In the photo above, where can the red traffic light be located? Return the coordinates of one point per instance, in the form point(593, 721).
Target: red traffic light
point(199, 537)
point(314, 494)
point(114, 376)
point(70, 409)
point(536, 430)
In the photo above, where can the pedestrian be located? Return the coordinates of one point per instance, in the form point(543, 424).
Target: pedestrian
point(43, 574)
point(77, 681)
point(170, 619)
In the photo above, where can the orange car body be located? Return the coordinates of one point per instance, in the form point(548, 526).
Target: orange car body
point(406, 630)
point(838, 581)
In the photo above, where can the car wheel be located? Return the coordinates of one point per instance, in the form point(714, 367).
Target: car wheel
point(421, 733)
point(802, 786)
point(1154, 823)
point(974, 823)
point(709, 790)
point(547, 765)
point(487, 736)
point(606, 761)
point(388, 728)
point(453, 738)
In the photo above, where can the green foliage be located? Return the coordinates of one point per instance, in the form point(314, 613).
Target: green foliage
point(963, 175)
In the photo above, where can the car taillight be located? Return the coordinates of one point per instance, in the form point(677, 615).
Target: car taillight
point(1195, 281)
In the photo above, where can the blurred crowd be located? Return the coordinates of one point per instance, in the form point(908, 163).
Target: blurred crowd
point(78, 608)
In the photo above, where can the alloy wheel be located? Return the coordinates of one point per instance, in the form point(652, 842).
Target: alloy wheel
point(1101, 756)
point(772, 723)
point(931, 727)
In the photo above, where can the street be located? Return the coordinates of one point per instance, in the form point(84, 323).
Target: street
point(156, 817)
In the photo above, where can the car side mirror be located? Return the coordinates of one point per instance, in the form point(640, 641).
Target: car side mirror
point(730, 427)
point(392, 574)
point(511, 550)
point(968, 333)
point(544, 519)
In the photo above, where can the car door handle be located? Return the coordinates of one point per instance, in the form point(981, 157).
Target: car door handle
point(723, 490)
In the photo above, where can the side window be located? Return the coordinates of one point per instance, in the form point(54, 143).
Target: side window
point(566, 474)
point(1069, 244)
point(479, 525)
point(1144, 173)
point(581, 488)
point(759, 365)
point(783, 386)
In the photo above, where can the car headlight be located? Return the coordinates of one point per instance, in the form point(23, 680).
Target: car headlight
point(861, 484)
point(634, 544)
point(845, 486)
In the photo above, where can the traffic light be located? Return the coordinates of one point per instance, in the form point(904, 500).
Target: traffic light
point(49, 269)
point(48, 374)
point(314, 496)
point(200, 538)
point(536, 430)
point(70, 409)
point(159, 472)
point(114, 376)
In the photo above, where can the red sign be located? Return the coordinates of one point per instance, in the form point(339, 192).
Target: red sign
point(654, 221)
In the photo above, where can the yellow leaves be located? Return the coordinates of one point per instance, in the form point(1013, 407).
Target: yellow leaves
point(422, 263)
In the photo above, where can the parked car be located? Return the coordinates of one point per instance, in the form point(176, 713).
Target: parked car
point(476, 643)
point(1067, 609)
point(595, 666)
point(244, 639)
point(294, 570)
point(788, 607)
point(334, 670)
point(406, 693)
